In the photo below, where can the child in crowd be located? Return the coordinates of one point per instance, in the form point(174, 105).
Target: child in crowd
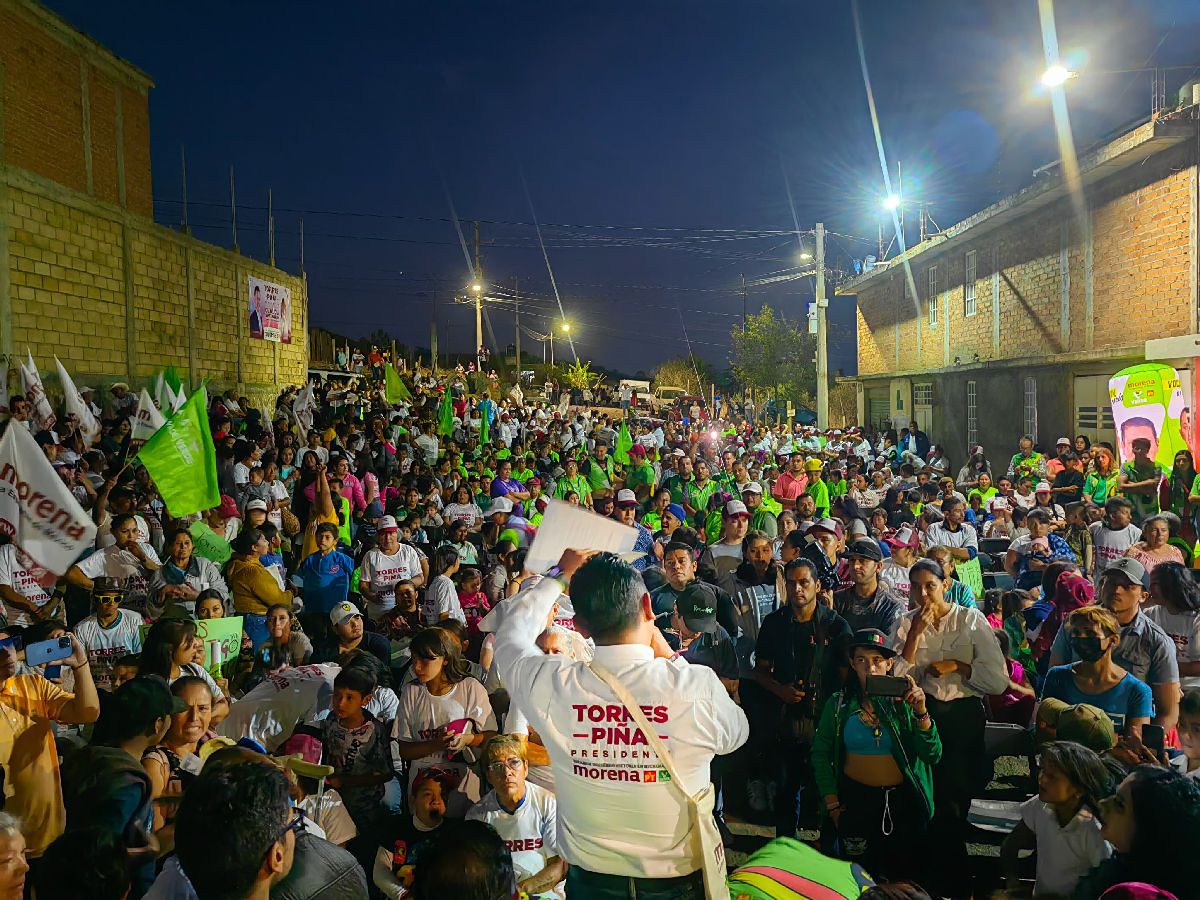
point(1015, 705)
point(1019, 528)
point(1000, 523)
point(326, 573)
point(1077, 535)
point(1058, 823)
point(992, 602)
point(258, 489)
point(1012, 610)
point(474, 604)
point(356, 745)
point(1187, 761)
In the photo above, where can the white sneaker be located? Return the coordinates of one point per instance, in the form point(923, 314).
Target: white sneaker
point(756, 795)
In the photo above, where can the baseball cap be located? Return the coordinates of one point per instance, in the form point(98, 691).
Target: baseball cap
point(342, 612)
point(228, 507)
point(752, 487)
point(736, 508)
point(147, 696)
point(387, 523)
point(637, 450)
point(447, 777)
point(678, 512)
point(697, 605)
point(905, 536)
point(873, 638)
point(533, 480)
point(1081, 723)
point(865, 548)
point(858, 528)
point(678, 452)
point(833, 526)
point(626, 498)
point(1061, 441)
point(813, 465)
point(256, 504)
point(1043, 487)
point(1131, 569)
point(500, 505)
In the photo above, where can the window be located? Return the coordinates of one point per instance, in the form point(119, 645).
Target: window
point(972, 419)
point(1030, 408)
point(933, 297)
point(923, 394)
point(969, 285)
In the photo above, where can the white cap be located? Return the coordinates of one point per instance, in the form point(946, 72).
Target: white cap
point(387, 523)
point(500, 504)
point(678, 452)
point(736, 508)
point(625, 496)
point(1063, 440)
point(343, 611)
point(256, 504)
point(1043, 487)
point(752, 487)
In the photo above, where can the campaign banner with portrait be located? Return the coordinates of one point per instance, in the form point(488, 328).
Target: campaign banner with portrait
point(1147, 402)
point(270, 311)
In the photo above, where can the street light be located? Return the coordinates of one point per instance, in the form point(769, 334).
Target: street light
point(1057, 75)
point(477, 287)
point(805, 256)
point(566, 327)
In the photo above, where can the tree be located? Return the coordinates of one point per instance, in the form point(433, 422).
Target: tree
point(775, 356)
point(843, 404)
point(581, 377)
point(680, 373)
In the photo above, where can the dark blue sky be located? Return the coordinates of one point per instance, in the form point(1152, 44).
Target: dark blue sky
point(673, 120)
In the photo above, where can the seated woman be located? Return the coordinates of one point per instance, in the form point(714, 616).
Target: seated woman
point(254, 588)
point(1094, 678)
point(283, 631)
point(873, 756)
point(183, 577)
point(169, 652)
point(1154, 547)
point(1028, 556)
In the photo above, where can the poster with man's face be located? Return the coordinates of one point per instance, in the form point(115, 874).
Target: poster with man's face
point(270, 311)
point(1147, 404)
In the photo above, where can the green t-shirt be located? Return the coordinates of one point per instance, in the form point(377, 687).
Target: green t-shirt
point(677, 486)
point(698, 497)
point(838, 488)
point(600, 475)
point(638, 475)
point(578, 484)
point(819, 491)
point(984, 496)
point(652, 521)
point(1100, 487)
point(1144, 505)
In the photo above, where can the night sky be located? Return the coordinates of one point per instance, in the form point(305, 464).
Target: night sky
point(654, 137)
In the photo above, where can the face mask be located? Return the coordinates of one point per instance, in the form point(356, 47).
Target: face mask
point(1088, 649)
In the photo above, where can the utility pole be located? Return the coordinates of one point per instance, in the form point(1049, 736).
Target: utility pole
point(822, 337)
point(233, 209)
point(271, 227)
point(187, 229)
point(478, 293)
point(517, 316)
point(743, 323)
point(551, 345)
point(433, 347)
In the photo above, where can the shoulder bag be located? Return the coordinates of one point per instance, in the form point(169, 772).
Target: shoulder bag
point(705, 838)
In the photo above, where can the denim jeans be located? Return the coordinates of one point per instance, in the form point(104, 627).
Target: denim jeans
point(585, 885)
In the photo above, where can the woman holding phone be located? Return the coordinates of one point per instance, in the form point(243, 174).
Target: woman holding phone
point(873, 757)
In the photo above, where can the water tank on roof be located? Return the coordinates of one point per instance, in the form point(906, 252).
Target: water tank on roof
point(1189, 94)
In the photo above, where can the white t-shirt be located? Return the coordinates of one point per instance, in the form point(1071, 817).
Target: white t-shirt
point(938, 535)
point(422, 715)
point(13, 574)
point(1184, 630)
point(198, 671)
point(1110, 544)
point(123, 566)
point(441, 597)
point(331, 816)
point(1064, 855)
point(895, 576)
point(104, 536)
point(271, 710)
point(529, 832)
point(470, 513)
point(383, 573)
point(279, 493)
point(107, 645)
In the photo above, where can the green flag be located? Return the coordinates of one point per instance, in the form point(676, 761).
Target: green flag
point(446, 415)
point(183, 461)
point(394, 388)
point(485, 429)
point(624, 442)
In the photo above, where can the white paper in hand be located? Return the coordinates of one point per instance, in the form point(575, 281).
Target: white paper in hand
point(567, 527)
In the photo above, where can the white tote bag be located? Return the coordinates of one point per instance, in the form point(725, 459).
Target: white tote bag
point(707, 847)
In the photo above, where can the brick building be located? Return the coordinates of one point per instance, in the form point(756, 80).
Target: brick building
point(1024, 310)
point(85, 273)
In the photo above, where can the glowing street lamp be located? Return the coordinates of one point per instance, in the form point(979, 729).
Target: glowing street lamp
point(1056, 76)
point(805, 256)
point(566, 327)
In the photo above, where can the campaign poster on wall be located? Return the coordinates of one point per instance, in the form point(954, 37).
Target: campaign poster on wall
point(270, 311)
point(1148, 403)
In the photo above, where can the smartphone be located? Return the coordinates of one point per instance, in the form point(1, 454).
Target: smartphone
point(887, 686)
point(48, 651)
point(1152, 738)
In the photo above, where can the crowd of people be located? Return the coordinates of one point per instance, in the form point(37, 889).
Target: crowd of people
point(818, 630)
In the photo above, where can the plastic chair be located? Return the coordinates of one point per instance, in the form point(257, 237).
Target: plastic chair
point(1001, 580)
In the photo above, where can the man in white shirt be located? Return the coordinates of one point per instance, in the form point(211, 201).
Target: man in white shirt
point(606, 775)
point(25, 601)
point(954, 533)
point(427, 443)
